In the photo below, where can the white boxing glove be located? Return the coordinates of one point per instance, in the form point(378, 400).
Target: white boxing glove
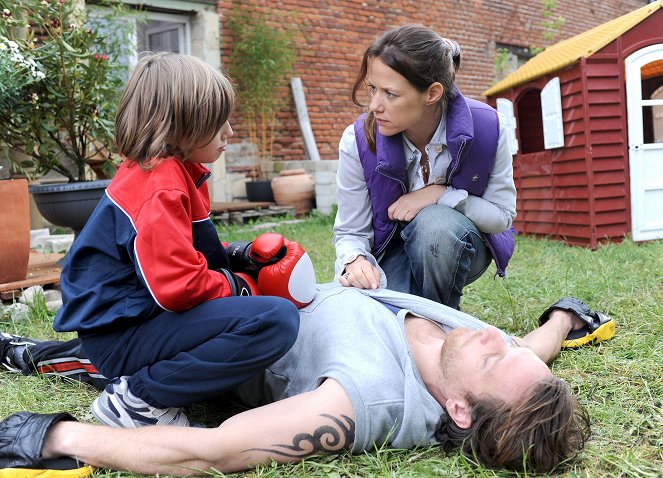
point(292, 277)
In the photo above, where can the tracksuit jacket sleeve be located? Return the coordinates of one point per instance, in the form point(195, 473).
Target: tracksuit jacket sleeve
point(175, 273)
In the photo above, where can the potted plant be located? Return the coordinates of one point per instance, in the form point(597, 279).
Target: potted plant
point(18, 73)
point(261, 62)
point(65, 117)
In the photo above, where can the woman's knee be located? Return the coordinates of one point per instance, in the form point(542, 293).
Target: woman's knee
point(437, 222)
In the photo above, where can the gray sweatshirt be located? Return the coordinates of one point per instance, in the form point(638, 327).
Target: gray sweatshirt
point(350, 337)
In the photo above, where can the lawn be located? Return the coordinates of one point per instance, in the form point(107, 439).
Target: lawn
point(620, 382)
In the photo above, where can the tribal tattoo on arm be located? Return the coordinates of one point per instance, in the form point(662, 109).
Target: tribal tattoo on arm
point(329, 438)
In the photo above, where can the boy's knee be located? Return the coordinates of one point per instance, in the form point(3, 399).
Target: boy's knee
point(284, 320)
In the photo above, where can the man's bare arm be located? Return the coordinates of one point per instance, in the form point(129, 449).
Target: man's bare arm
point(317, 422)
point(546, 341)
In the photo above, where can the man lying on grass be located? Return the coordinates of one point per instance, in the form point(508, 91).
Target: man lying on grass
point(368, 367)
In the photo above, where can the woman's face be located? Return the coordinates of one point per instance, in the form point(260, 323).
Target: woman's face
point(397, 105)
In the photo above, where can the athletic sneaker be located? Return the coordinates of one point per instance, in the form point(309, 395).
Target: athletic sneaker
point(11, 351)
point(118, 407)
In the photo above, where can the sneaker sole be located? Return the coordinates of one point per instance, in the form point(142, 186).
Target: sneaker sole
point(10, 369)
point(605, 332)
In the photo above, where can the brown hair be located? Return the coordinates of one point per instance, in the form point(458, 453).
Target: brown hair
point(417, 53)
point(543, 428)
point(172, 103)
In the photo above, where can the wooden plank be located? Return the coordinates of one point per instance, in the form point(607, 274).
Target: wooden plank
point(42, 270)
point(240, 217)
point(42, 279)
point(219, 207)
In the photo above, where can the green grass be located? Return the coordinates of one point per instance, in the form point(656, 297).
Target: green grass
point(620, 382)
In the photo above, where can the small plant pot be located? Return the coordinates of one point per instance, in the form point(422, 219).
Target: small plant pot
point(294, 187)
point(259, 191)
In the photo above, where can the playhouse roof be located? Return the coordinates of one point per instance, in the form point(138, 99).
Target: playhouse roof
point(567, 52)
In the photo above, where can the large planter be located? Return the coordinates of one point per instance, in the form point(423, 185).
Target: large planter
point(68, 204)
point(14, 230)
point(294, 187)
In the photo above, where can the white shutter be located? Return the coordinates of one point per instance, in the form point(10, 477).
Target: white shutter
point(505, 107)
point(551, 112)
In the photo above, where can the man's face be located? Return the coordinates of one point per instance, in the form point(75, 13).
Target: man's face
point(482, 364)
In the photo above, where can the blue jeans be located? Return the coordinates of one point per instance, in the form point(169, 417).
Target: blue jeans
point(176, 359)
point(436, 255)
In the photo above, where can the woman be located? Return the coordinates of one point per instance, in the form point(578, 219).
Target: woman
point(425, 180)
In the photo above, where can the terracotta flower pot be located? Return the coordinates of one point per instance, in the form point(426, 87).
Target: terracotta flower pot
point(294, 187)
point(14, 230)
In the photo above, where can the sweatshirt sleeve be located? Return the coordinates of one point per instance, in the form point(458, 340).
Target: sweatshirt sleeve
point(353, 227)
point(495, 210)
point(175, 273)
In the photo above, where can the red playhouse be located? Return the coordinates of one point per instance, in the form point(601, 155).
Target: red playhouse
point(586, 121)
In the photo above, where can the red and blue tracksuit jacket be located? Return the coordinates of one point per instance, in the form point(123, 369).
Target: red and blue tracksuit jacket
point(149, 246)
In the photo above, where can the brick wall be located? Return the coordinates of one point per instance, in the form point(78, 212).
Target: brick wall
point(333, 35)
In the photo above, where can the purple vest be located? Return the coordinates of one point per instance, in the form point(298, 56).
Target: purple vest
point(472, 160)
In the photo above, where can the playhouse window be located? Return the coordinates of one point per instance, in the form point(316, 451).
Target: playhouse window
point(530, 122)
point(652, 110)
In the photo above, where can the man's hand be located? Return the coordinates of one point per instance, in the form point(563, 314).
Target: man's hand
point(408, 205)
point(361, 274)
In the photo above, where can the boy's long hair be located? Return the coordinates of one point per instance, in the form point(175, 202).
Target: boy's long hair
point(418, 54)
point(535, 434)
point(172, 103)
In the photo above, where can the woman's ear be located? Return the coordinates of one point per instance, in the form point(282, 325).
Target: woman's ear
point(435, 93)
point(460, 412)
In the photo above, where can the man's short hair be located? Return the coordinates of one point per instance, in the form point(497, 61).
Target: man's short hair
point(546, 426)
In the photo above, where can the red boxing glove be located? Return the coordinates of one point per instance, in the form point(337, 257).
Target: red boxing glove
point(251, 257)
point(240, 284)
point(292, 277)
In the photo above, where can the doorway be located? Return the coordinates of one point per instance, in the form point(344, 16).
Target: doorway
point(644, 99)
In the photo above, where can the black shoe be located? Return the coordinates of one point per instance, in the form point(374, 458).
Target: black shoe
point(598, 326)
point(11, 351)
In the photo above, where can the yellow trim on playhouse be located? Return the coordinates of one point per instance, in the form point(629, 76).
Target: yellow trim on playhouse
point(569, 51)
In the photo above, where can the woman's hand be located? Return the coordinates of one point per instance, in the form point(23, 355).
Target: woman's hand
point(408, 205)
point(361, 274)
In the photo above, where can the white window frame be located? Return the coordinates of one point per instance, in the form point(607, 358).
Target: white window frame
point(183, 26)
